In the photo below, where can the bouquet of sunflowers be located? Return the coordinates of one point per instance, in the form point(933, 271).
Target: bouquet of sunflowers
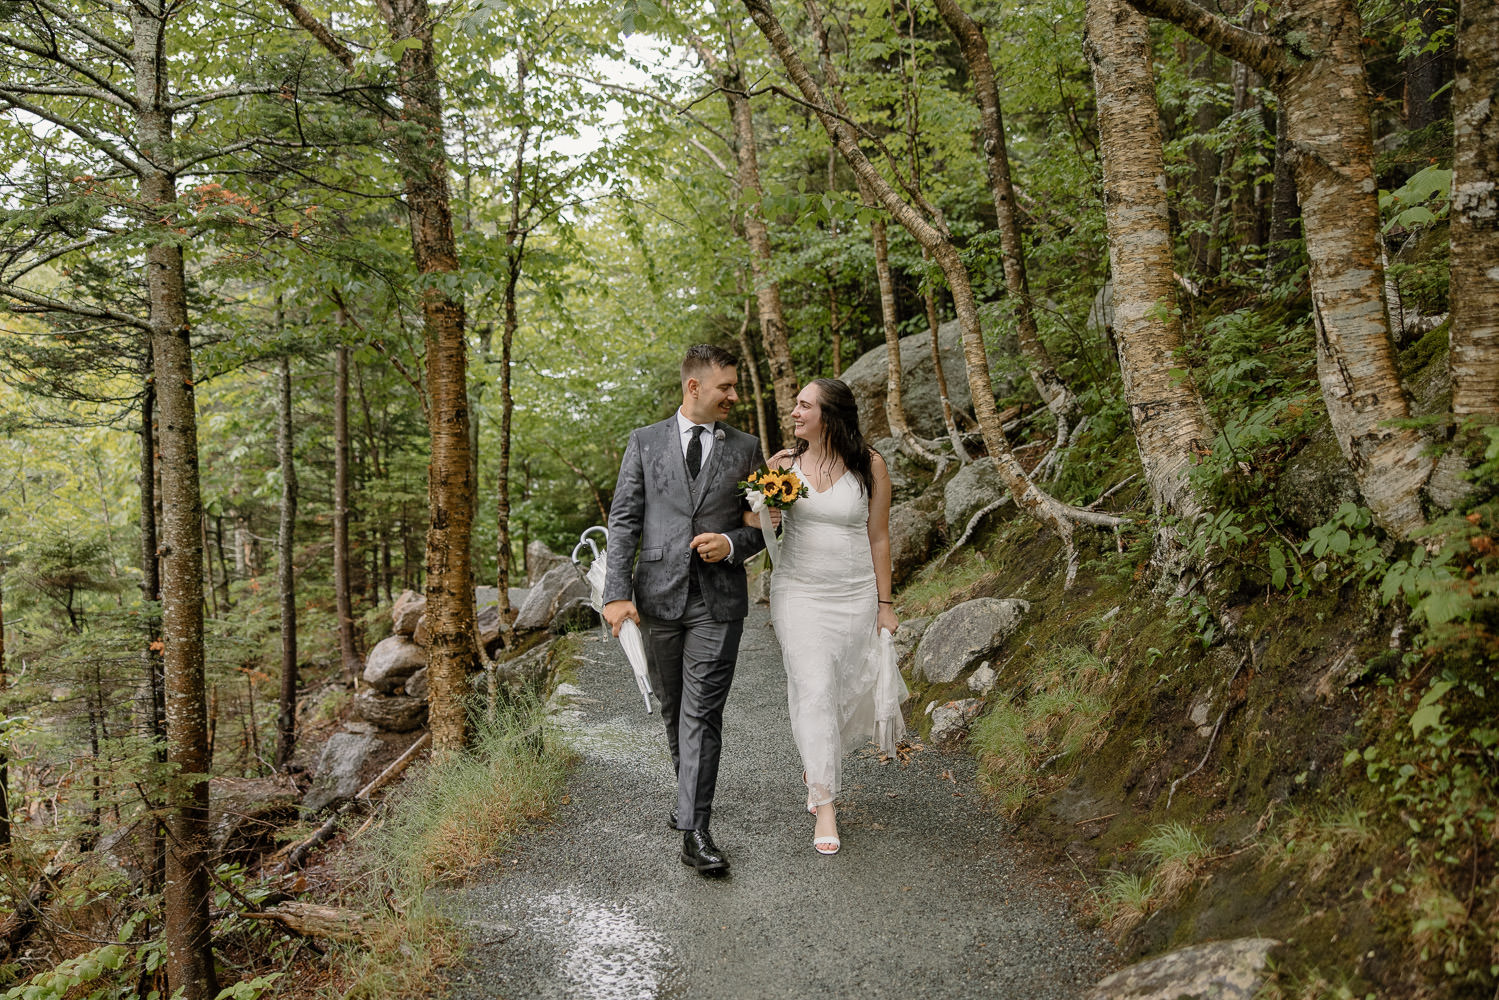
point(768, 489)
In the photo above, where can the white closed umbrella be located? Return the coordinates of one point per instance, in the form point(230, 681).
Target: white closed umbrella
point(630, 638)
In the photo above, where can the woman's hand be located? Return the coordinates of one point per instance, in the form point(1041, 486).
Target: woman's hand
point(752, 520)
point(886, 619)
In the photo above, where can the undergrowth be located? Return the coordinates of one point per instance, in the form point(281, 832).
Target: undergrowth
point(441, 826)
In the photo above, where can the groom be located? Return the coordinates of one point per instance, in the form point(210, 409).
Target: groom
point(677, 503)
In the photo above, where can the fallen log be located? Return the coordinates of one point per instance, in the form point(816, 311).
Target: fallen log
point(314, 920)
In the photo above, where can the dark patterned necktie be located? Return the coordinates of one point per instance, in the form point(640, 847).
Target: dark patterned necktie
point(695, 452)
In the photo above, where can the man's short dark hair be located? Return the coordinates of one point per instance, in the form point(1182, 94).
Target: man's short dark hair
point(704, 358)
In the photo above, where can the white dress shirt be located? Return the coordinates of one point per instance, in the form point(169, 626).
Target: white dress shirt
point(684, 433)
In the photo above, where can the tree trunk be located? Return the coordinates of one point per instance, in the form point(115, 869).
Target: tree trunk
point(4, 760)
point(1044, 508)
point(895, 409)
point(835, 329)
point(1166, 412)
point(752, 367)
point(1284, 212)
point(151, 660)
point(948, 420)
point(1324, 92)
point(515, 253)
point(189, 963)
point(1428, 99)
point(450, 586)
point(767, 290)
point(1058, 398)
point(1475, 214)
point(343, 596)
point(286, 720)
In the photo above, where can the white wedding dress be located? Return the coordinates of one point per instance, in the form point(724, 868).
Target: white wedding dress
point(824, 604)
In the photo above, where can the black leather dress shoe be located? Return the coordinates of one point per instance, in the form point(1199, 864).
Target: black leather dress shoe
point(699, 851)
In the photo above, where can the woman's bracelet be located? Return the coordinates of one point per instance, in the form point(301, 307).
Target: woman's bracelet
point(887, 602)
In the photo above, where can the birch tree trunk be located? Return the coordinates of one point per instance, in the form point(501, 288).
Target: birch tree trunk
point(949, 421)
point(1166, 412)
point(895, 409)
point(1059, 399)
point(1475, 214)
point(343, 596)
point(450, 585)
point(189, 964)
point(773, 333)
point(1046, 509)
point(1324, 94)
point(286, 720)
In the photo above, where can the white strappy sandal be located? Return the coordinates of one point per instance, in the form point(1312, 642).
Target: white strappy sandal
point(826, 845)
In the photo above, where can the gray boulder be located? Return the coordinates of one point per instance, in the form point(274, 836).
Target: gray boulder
point(540, 561)
point(1221, 970)
point(487, 624)
point(923, 404)
point(907, 476)
point(906, 639)
point(394, 713)
point(975, 487)
point(416, 685)
point(982, 680)
point(336, 776)
point(560, 585)
point(529, 670)
point(407, 611)
point(1316, 481)
point(573, 616)
point(950, 720)
point(963, 636)
point(392, 661)
point(915, 530)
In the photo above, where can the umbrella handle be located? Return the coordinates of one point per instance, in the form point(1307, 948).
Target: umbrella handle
point(585, 540)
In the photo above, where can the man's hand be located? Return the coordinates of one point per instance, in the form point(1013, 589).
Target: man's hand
point(712, 547)
point(617, 612)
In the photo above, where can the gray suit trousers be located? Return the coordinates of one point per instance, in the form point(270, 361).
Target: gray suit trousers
point(691, 662)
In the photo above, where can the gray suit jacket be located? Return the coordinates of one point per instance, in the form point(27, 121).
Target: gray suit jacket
point(656, 513)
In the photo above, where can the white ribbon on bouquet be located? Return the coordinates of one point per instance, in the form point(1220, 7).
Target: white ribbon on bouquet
point(767, 528)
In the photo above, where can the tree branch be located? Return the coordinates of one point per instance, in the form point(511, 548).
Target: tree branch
point(48, 303)
point(86, 34)
point(92, 93)
point(83, 132)
point(54, 55)
point(1260, 53)
point(243, 90)
point(319, 31)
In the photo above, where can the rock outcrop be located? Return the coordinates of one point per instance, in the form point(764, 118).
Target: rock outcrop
point(540, 561)
point(1220, 970)
point(394, 713)
point(963, 636)
point(975, 487)
point(561, 584)
point(393, 659)
point(336, 776)
point(923, 404)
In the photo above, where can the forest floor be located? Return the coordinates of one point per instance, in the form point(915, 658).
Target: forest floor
point(930, 895)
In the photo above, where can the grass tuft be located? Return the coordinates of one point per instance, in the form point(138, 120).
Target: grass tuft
point(1025, 741)
point(445, 822)
point(1178, 853)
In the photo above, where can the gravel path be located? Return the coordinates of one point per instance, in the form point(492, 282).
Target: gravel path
point(928, 897)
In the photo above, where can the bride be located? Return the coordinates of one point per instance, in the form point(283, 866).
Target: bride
point(830, 593)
